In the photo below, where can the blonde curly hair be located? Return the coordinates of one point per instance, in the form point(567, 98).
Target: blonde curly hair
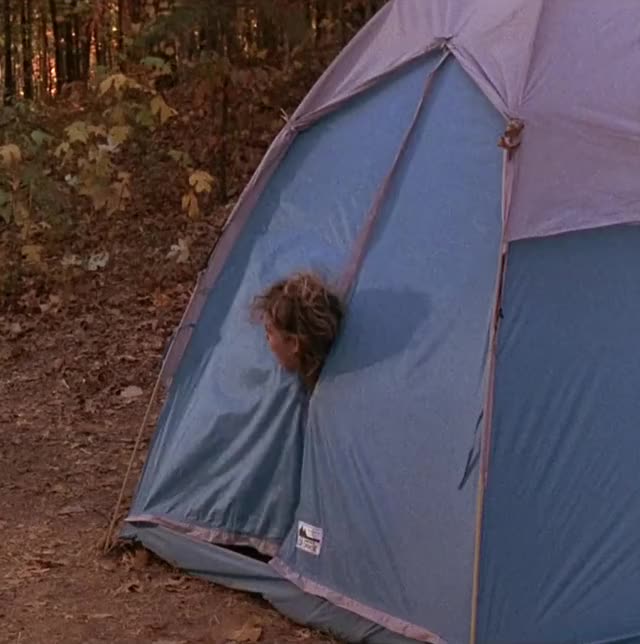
point(305, 308)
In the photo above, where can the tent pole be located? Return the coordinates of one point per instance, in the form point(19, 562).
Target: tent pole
point(106, 543)
point(508, 172)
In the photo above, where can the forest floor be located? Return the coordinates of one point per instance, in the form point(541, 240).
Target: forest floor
point(78, 360)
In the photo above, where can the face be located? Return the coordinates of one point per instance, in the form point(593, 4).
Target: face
point(285, 347)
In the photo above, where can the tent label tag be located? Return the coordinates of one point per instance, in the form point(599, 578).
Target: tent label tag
point(309, 538)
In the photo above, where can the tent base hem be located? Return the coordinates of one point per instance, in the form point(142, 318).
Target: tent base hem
point(406, 629)
point(217, 536)
point(227, 568)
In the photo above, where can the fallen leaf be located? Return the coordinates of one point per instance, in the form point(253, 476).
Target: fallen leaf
point(129, 587)
point(101, 616)
point(71, 509)
point(141, 559)
point(131, 393)
point(32, 253)
point(71, 260)
point(190, 204)
point(175, 585)
point(202, 181)
point(248, 633)
point(15, 328)
point(52, 304)
point(180, 251)
point(47, 564)
point(97, 261)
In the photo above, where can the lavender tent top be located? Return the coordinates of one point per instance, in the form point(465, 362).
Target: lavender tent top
point(564, 68)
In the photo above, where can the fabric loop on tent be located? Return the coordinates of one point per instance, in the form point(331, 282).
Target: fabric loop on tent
point(512, 137)
point(362, 241)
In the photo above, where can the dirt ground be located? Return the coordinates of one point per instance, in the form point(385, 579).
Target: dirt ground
point(78, 359)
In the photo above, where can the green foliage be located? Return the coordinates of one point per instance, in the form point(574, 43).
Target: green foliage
point(157, 65)
point(77, 132)
point(95, 152)
point(10, 156)
point(11, 178)
point(5, 206)
point(181, 158)
point(201, 181)
point(41, 138)
point(100, 144)
point(160, 109)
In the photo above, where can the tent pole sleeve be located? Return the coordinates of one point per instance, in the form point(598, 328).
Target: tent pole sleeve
point(362, 241)
point(509, 169)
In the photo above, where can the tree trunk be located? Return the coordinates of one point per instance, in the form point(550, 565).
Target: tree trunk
point(57, 41)
point(224, 126)
point(78, 43)
point(45, 72)
point(101, 50)
point(9, 80)
point(341, 27)
point(70, 63)
point(321, 16)
point(268, 32)
point(120, 26)
point(26, 16)
point(86, 51)
point(136, 11)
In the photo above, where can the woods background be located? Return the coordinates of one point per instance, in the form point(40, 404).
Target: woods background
point(134, 108)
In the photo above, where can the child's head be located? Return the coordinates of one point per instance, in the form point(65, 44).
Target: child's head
point(302, 317)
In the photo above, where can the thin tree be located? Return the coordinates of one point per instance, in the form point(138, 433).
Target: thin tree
point(9, 80)
point(70, 44)
point(44, 51)
point(57, 41)
point(120, 26)
point(26, 16)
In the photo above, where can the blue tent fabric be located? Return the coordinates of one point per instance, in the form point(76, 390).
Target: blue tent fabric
point(228, 448)
point(393, 418)
point(366, 494)
point(235, 453)
point(561, 545)
point(233, 570)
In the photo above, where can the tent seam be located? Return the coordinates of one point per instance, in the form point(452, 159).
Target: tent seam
point(507, 180)
point(394, 624)
point(361, 242)
point(305, 120)
point(215, 536)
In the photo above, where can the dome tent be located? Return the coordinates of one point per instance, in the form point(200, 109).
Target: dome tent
point(465, 469)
